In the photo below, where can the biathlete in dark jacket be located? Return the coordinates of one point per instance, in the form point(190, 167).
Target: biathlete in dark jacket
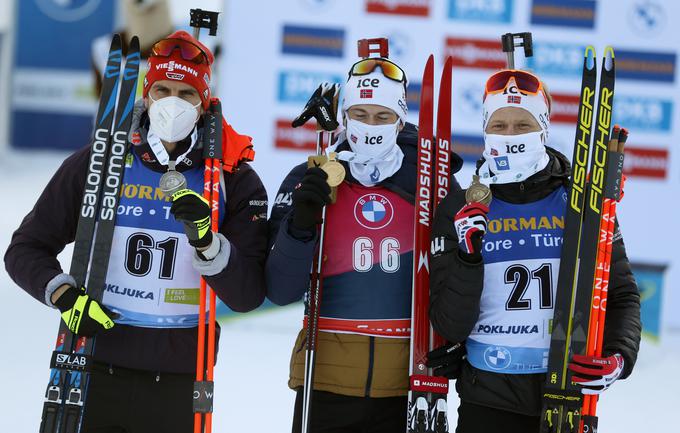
point(515, 244)
point(362, 359)
point(145, 352)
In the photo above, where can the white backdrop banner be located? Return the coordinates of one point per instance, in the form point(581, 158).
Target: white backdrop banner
point(276, 53)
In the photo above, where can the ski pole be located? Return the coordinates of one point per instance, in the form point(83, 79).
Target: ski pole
point(212, 153)
point(598, 315)
point(508, 43)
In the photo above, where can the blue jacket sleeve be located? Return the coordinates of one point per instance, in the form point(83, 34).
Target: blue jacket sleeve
point(291, 252)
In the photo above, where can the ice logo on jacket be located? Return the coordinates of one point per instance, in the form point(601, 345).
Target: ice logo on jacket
point(497, 358)
point(373, 211)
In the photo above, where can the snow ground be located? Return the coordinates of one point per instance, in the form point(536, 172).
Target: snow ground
point(251, 392)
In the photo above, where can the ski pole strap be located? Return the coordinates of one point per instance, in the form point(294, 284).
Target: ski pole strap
point(203, 396)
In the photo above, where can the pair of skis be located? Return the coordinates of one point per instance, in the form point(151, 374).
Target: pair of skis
point(586, 251)
point(71, 360)
point(427, 404)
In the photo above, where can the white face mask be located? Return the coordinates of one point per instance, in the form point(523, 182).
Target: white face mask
point(512, 158)
point(172, 118)
point(375, 154)
point(372, 142)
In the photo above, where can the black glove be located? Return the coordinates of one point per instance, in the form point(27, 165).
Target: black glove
point(447, 360)
point(193, 211)
point(309, 197)
point(323, 106)
point(83, 315)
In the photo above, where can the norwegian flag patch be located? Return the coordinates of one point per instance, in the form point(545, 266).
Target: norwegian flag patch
point(513, 99)
point(366, 93)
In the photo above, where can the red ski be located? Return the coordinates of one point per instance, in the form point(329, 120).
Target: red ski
point(427, 407)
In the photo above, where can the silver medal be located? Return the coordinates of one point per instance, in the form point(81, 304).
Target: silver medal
point(172, 180)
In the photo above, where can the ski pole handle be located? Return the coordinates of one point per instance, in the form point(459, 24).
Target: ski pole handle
point(508, 43)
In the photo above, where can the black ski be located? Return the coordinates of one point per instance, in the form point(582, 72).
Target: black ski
point(65, 396)
point(562, 399)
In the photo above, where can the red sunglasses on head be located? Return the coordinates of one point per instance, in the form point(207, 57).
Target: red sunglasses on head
point(188, 51)
point(525, 82)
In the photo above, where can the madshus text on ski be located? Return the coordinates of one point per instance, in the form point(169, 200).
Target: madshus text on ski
point(517, 287)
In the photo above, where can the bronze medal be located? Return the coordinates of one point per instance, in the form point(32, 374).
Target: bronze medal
point(478, 192)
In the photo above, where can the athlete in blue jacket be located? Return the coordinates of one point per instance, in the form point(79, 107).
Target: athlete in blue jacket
point(361, 376)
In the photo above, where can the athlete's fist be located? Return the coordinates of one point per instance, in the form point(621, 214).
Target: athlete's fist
point(193, 211)
point(310, 196)
point(470, 223)
point(595, 374)
point(82, 314)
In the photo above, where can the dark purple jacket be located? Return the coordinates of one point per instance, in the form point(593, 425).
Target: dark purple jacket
point(31, 261)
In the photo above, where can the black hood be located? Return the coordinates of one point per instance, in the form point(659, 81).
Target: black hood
point(538, 186)
point(403, 182)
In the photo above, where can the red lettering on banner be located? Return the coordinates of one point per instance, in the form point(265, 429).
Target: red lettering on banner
point(475, 53)
point(419, 8)
point(645, 162)
point(564, 108)
point(287, 137)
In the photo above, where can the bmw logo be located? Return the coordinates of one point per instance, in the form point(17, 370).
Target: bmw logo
point(497, 357)
point(373, 211)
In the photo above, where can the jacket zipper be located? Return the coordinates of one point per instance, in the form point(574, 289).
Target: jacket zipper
point(371, 359)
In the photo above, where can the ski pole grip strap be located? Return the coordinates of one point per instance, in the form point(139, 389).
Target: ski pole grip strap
point(435, 384)
point(614, 172)
point(203, 396)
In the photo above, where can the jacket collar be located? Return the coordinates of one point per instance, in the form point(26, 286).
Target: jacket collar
point(538, 186)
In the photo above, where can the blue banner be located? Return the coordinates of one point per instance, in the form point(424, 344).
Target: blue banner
point(52, 101)
point(650, 282)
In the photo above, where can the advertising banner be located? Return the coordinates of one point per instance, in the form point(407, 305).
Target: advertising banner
point(275, 58)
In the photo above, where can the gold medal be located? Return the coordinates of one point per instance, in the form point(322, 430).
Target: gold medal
point(478, 192)
point(335, 172)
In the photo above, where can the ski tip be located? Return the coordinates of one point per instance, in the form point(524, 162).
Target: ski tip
point(589, 55)
point(609, 51)
point(134, 43)
point(608, 58)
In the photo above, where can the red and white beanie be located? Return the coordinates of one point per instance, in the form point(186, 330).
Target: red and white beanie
point(175, 68)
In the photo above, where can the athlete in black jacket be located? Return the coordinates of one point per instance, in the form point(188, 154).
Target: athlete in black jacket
point(145, 353)
point(470, 290)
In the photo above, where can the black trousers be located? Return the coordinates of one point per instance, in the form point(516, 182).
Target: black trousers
point(473, 418)
point(335, 413)
point(121, 400)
